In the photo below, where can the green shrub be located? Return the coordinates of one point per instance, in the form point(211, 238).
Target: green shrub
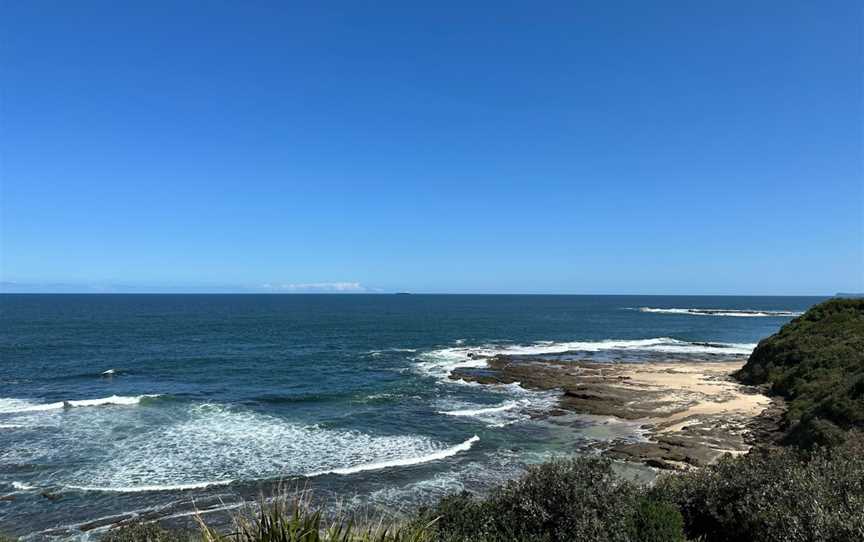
point(768, 495)
point(816, 361)
point(580, 499)
point(148, 532)
point(460, 517)
point(658, 522)
point(773, 495)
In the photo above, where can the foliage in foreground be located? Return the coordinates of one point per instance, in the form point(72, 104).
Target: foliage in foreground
point(779, 495)
point(284, 519)
point(776, 495)
point(768, 495)
point(580, 499)
point(816, 361)
point(148, 532)
point(293, 520)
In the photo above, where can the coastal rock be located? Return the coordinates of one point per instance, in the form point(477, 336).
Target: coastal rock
point(692, 413)
point(51, 496)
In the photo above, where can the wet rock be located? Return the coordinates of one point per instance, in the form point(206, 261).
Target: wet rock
point(682, 427)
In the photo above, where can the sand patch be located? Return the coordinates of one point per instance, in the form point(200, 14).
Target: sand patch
point(691, 412)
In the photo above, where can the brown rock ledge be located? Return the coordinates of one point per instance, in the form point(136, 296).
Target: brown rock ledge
point(692, 412)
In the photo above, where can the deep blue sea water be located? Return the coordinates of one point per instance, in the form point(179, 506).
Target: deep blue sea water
point(217, 398)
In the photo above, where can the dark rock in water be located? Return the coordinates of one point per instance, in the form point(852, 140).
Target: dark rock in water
point(51, 496)
point(7, 498)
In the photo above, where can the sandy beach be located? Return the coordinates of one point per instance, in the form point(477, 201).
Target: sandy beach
point(690, 413)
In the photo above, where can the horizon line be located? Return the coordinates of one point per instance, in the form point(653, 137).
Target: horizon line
point(407, 293)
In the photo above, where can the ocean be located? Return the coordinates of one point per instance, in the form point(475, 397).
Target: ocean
point(154, 406)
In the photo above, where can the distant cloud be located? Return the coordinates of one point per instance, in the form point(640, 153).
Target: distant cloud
point(8, 286)
point(317, 287)
point(13, 287)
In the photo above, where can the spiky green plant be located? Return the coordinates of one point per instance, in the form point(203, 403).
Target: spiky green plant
point(294, 520)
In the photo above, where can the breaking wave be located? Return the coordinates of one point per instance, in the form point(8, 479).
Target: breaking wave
point(14, 406)
point(241, 445)
point(509, 405)
point(141, 489)
point(376, 353)
point(723, 312)
point(404, 462)
point(440, 363)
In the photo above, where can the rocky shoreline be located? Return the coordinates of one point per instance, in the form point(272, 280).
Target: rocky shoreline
point(692, 413)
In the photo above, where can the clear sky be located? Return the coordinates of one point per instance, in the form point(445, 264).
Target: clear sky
point(490, 147)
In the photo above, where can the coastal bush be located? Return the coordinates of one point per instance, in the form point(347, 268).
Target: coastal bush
point(281, 520)
point(147, 532)
point(774, 495)
point(563, 500)
point(658, 521)
point(786, 494)
point(816, 362)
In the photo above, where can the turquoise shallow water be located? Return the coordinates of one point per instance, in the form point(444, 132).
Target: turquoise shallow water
point(142, 404)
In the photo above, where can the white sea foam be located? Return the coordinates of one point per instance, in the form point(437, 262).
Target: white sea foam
point(509, 405)
point(11, 426)
point(440, 363)
point(20, 486)
point(113, 400)
point(519, 408)
point(222, 508)
point(376, 353)
point(9, 405)
point(480, 475)
point(722, 312)
point(144, 488)
point(404, 462)
point(13, 406)
point(386, 397)
point(239, 444)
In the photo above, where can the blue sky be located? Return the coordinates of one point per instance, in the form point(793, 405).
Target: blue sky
point(492, 147)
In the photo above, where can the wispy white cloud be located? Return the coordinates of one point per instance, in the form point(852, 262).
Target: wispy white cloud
point(317, 287)
point(8, 286)
point(347, 287)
